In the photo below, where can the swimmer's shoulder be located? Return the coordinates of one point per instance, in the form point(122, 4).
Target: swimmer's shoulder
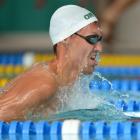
point(43, 68)
point(37, 67)
point(40, 64)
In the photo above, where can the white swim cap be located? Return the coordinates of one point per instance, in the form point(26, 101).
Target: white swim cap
point(67, 20)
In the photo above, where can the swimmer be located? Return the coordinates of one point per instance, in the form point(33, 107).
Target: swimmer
point(76, 38)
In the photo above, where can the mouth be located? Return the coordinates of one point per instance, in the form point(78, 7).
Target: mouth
point(92, 57)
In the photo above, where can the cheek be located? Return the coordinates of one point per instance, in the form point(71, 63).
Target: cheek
point(83, 53)
point(86, 52)
point(85, 58)
point(80, 52)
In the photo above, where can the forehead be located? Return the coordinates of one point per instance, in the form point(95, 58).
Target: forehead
point(92, 28)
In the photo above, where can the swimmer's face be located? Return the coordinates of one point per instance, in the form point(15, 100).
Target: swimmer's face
point(84, 52)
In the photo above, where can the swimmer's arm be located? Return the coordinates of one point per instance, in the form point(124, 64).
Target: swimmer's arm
point(27, 93)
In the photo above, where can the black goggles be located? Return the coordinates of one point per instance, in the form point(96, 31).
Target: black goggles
point(91, 39)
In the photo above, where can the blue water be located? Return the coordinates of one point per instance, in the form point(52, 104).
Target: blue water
point(99, 114)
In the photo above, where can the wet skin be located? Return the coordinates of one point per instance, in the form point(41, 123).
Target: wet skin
point(38, 85)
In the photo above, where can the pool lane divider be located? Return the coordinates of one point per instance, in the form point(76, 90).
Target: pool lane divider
point(130, 106)
point(107, 60)
point(70, 127)
point(119, 71)
point(119, 85)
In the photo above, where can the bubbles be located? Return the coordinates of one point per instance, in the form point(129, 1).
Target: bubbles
point(98, 59)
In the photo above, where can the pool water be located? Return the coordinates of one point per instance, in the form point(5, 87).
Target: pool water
point(104, 113)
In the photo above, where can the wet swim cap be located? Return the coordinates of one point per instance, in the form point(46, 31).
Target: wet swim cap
point(67, 20)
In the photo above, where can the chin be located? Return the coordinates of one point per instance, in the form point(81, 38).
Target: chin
point(88, 71)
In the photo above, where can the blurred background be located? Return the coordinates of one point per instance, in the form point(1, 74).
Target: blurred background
point(24, 38)
point(24, 24)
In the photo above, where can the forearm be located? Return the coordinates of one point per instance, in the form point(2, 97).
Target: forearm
point(17, 106)
point(11, 112)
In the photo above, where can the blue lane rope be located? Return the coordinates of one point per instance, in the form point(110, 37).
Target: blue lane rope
point(119, 71)
point(120, 85)
point(54, 129)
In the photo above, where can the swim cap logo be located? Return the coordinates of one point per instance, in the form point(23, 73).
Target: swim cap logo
point(88, 16)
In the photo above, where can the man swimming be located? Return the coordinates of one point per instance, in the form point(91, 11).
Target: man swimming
point(76, 38)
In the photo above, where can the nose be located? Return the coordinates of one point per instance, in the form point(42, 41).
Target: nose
point(98, 47)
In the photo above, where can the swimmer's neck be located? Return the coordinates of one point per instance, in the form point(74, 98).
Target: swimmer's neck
point(64, 71)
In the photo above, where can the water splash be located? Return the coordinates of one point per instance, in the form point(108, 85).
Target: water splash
point(79, 95)
point(80, 102)
point(98, 59)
